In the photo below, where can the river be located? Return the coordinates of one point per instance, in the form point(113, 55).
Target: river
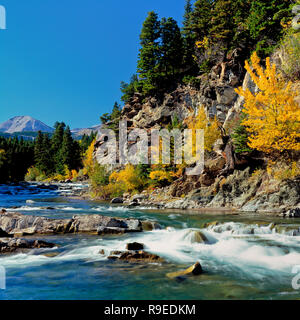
point(244, 259)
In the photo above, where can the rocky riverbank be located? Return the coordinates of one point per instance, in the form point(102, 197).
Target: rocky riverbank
point(240, 192)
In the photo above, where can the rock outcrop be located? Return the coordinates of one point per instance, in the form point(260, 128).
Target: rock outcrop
point(240, 190)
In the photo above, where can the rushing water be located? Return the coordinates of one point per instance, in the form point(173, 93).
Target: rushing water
point(243, 260)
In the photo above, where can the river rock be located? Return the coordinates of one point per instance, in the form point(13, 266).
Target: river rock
point(196, 236)
point(110, 231)
point(133, 204)
point(293, 213)
point(211, 224)
point(135, 246)
point(139, 197)
point(18, 224)
point(116, 253)
point(4, 234)
point(13, 245)
point(194, 270)
point(117, 201)
point(51, 254)
point(150, 226)
point(141, 256)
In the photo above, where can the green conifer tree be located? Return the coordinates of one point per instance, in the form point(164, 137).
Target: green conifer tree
point(149, 53)
point(171, 47)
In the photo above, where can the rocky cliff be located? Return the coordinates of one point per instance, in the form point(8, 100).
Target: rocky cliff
point(228, 180)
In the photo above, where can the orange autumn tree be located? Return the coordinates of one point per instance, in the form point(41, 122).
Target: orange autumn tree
point(273, 115)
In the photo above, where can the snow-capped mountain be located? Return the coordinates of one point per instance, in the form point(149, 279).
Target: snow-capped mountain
point(24, 124)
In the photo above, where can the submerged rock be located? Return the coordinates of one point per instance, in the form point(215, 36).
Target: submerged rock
point(51, 254)
point(194, 270)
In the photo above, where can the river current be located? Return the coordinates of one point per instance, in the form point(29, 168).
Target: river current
point(246, 257)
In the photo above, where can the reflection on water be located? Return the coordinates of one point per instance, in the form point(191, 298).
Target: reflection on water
point(244, 257)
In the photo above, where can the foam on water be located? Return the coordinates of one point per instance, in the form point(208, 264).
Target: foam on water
point(223, 252)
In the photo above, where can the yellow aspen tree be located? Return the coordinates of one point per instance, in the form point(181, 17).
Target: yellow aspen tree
point(273, 115)
point(211, 129)
point(88, 161)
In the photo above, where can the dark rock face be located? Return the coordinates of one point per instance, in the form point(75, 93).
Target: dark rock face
point(17, 245)
point(23, 225)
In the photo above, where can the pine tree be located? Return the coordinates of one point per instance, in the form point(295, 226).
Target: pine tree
point(67, 150)
point(116, 111)
point(42, 154)
point(264, 23)
point(187, 18)
point(171, 47)
point(222, 24)
point(149, 53)
point(105, 118)
point(201, 18)
point(56, 145)
point(188, 37)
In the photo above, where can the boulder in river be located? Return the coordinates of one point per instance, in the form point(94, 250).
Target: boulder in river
point(117, 201)
point(133, 204)
point(15, 245)
point(150, 225)
point(293, 213)
point(20, 225)
point(194, 270)
point(196, 236)
point(134, 246)
point(140, 256)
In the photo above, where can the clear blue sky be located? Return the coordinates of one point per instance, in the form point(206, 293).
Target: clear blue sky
point(63, 60)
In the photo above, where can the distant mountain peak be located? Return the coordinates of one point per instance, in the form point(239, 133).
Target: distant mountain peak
point(24, 124)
